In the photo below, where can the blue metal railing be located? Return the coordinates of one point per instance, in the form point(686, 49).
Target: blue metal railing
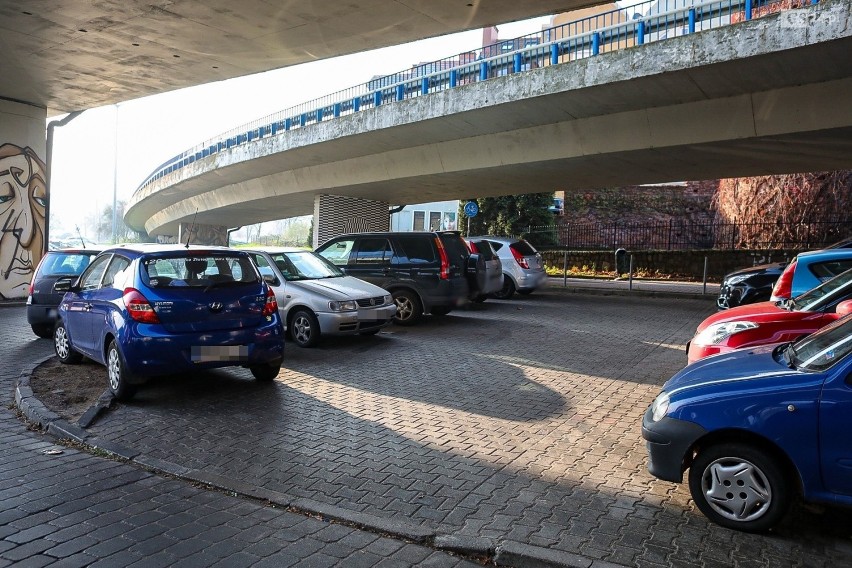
point(645, 22)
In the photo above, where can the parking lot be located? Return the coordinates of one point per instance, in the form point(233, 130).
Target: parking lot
point(515, 420)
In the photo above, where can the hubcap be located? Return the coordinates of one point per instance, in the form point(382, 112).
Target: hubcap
point(736, 489)
point(404, 309)
point(301, 329)
point(114, 369)
point(60, 341)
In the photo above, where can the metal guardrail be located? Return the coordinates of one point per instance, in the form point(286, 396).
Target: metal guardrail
point(587, 37)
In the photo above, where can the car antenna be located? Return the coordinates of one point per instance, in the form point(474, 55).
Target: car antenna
point(82, 240)
point(191, 228)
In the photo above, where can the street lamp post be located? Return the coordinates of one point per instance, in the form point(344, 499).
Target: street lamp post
point(115, 175)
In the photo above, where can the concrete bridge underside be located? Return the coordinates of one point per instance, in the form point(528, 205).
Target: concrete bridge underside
point(753, 98)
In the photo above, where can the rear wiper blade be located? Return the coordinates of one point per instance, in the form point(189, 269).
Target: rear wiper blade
point(223, 284)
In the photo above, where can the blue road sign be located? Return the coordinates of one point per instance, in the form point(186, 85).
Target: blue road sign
point(471, 208)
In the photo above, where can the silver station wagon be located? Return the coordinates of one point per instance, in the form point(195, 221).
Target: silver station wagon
point(316, 298)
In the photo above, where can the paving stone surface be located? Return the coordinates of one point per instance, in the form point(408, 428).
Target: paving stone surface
point(75, 509)
point(516, 420)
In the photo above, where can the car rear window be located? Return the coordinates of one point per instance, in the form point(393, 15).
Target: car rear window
point(65, 264)
point(523, 248)
point(827, 270)
point(485, 250)
point(418, 249)
point(198, 270)
point(454, 245)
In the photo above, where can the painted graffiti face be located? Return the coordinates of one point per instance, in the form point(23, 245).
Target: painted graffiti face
point(23, 199)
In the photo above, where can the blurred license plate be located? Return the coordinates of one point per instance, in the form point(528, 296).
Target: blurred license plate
point(214, 353)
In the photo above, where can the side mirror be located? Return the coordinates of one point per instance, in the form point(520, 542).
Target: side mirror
point(844, 308)
point(271, 279)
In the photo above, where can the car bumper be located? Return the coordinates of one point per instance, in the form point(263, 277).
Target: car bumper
point(531, 280)
point(149, 352)
point(695, 352)
point(42, 315)
point(347, 323)
point(668, 442)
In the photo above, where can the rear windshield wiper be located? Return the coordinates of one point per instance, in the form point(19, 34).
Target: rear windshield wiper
point(226, 283)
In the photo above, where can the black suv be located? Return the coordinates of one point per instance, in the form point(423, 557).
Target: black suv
point(426, 272)
point(43, 299)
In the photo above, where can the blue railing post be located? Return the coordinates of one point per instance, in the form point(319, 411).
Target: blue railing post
point(517, 63)
point(554, 54)
point(424, 86)
point(596, 43)
point(400, 92)
point(303, 120)
point(356, 104)
point(483, 71)
point(274, 128)
point(640, 33)
point(337, 110)
point(319, 115)
point(748, 9)
point(454, 77)
point(377, 98)
point(288, 123)
point(692, 20)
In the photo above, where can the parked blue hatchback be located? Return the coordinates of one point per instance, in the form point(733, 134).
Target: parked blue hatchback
point(146, 310)
point(757, 427)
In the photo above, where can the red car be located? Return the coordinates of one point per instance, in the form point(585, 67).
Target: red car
point(773, 322)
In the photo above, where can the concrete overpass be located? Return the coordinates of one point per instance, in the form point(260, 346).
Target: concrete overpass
point(57, 57)
point(770, 95)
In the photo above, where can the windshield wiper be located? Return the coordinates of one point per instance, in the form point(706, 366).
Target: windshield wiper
point(224, 283)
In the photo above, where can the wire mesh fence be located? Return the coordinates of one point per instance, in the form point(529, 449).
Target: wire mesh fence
point(686, 235)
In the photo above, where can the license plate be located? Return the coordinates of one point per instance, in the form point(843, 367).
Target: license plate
point(218, 353)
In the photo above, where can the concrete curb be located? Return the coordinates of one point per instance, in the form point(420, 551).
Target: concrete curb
point(502, 553)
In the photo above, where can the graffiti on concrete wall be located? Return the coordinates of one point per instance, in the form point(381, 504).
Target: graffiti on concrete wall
point(23, 200)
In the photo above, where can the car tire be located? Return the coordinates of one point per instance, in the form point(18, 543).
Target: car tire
point(526, 292)
point(479, 298)
point(507, 291)
point(304, 328)
point(118, 377)
point(265, 373)
point(440, 310)
point(409, 310)
point(740, 487)
point(62, 346)
point(44, 331)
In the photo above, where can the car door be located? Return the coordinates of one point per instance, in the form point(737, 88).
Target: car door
point(102, 303)
point(78, 316)
point(835, 417)
point(371, 260)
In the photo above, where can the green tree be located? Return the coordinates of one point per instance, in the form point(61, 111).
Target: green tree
point(525, 215)
point(123, 233)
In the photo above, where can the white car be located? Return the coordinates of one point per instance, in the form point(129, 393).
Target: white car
point(523, 269)
point(316, 298)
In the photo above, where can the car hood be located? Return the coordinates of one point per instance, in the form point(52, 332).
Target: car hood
point(754, 364)
point(342, 288)
point(760, 312)
point(776, 267)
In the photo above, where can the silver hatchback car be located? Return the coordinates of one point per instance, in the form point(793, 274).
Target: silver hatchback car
point(316, 298)
point(523, 269)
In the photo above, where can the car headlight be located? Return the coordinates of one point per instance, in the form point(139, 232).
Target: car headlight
point(736, 279)
point(660, 406)
point(345, 306)
point(388, 299)
point(719, 332)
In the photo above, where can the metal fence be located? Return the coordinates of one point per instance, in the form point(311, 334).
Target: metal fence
point(686, 235)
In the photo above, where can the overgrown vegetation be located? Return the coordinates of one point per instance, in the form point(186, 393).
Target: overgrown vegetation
point(512, 215)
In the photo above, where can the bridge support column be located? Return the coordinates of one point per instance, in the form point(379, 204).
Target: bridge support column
point(24, 201)
point(203, 234)
point(335, 215)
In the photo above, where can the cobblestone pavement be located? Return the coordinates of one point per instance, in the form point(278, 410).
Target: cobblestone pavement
point(515, 421)
point(74, 509)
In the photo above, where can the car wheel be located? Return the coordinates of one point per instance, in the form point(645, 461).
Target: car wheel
point(118, 376)
point(304, 328)
point(43, 331)
point(479, 298)
point(408, 307)
point(507, 291)
point(440, 310)
point(739, 487)
point(62, 345)
point(265, 373)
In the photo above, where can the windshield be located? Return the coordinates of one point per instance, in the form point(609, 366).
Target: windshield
point(65, 264)
point(824, 294)
point(824, 348)
point(305, 265)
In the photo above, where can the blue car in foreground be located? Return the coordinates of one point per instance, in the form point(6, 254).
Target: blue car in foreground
point(145, 310)
point(757, 427)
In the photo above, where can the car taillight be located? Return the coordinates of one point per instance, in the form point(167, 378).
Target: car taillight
point(445, 262)
point(783, 288)
point(271, 305)
point(519, 258)
point(139, 308)
point(472, 246)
